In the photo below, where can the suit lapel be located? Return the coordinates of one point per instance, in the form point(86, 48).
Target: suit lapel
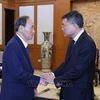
point(24, 50)
point(68, 50)
point(76, 45)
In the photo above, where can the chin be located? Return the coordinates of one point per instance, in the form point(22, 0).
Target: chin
point(65, 35)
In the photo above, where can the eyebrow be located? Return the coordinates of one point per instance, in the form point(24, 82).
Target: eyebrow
point(62, 23)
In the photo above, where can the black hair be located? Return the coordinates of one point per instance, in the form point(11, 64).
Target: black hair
point(21, 21)
point(74, 17)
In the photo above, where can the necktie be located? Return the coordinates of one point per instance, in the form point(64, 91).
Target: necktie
point(71, 45)
point(27, 49)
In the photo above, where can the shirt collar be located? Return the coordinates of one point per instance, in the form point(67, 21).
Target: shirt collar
point(78, 35)
point(24, 43)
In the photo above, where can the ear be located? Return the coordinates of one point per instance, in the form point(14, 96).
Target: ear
point(21, 28)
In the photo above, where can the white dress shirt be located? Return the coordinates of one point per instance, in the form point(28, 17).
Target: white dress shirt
point(78, 35)
point(24, 43)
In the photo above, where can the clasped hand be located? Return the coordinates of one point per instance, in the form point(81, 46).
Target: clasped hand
point(46, 78)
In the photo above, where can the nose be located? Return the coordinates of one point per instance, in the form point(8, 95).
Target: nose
point(33, 31)
point(62, 28)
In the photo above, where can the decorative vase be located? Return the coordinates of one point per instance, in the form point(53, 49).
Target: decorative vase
point(46, 53)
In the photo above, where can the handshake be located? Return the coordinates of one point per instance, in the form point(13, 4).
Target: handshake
point(47, 78)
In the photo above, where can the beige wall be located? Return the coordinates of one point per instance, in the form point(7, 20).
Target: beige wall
point(91, 13)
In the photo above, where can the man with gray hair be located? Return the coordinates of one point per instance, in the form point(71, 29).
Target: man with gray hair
point(75, 75)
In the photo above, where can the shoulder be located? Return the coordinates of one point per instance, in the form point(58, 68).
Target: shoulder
point(87, 43)
point(86, 39)
point(12, 45)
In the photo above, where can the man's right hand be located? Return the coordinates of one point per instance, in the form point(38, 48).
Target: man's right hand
point(43, 81)
point(48, 77)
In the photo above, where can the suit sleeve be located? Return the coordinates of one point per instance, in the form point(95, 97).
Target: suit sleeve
point(59, 71)
point(16, 68)
point(84, 60)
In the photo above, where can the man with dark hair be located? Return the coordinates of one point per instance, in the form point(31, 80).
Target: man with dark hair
point(18, 79)
point(75, 74)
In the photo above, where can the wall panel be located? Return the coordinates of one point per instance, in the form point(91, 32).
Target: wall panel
point(60, 42)
point(45, 20)
point(27, 11)
point(91, 14)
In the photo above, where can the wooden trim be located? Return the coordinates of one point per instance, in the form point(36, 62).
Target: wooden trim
point(30, 1)
point(6, 5)
point(84, 0)
point(2, 45)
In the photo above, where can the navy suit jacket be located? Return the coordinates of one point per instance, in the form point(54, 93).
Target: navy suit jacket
point(75, 74)
point(18, 81)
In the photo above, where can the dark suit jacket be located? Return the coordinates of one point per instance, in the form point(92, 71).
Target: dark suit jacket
point(18, 81)
point(75, 74)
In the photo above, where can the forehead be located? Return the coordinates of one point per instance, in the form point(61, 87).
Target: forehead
point(29, 21)
point(64, 21)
